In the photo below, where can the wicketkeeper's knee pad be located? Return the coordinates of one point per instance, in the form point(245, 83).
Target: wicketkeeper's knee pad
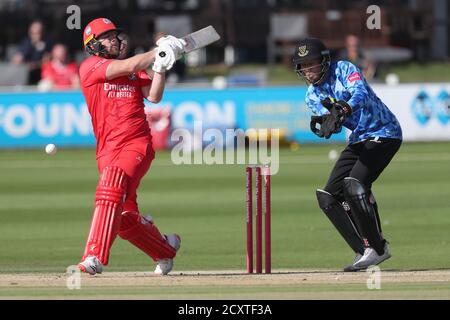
point(355, 188)
point(325, 199)
point(109, 198)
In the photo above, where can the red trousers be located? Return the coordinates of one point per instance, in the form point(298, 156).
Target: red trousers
point(112, 218)
point(135, 164)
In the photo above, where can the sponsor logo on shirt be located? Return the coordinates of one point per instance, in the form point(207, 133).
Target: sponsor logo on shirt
point(354, 76)
point(119, 90)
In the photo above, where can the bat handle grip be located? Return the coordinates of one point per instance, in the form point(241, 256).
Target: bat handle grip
point(162, 54)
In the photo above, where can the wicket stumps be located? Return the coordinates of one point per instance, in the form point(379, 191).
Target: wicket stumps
point(258, 218)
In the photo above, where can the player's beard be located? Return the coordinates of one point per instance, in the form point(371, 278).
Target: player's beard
point(124, 47)
point(113, 52)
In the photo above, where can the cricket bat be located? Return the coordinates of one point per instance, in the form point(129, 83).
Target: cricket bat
point(199, 39)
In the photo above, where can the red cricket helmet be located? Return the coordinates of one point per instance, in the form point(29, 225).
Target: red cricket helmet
point(93, 30)
point(96, 27)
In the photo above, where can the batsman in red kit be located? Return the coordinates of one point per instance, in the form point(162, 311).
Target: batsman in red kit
point(114, 89)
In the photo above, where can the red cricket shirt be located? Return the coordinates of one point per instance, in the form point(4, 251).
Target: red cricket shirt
point(116, 107)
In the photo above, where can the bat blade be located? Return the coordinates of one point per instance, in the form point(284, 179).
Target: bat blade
point(200, 38)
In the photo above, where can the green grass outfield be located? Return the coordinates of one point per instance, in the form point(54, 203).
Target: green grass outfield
point(46, 205)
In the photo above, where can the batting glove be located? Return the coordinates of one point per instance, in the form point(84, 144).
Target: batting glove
point(164, 59)
point(176, 44)
point(158, 65)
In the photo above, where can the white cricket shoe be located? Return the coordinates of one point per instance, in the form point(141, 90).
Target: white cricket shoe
point(371, 258)
point(351, 267)
point(91, 265)
point(164, 266)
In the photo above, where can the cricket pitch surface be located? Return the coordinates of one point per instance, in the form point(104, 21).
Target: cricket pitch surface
point(231, 284)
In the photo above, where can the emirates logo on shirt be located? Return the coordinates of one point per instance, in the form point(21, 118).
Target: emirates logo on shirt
point(119, 90)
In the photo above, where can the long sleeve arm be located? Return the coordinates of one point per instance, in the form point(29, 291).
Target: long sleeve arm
point(355, 84)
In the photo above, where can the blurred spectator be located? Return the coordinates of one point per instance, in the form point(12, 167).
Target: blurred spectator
point(158, 119)
point(33, 50)
point(178, 72)
point(58, 73)
point(354, 53)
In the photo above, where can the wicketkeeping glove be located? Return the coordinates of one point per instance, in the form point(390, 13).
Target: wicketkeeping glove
point(340, 109)
point(332, 122)
point(313, 125)
point(328, 126)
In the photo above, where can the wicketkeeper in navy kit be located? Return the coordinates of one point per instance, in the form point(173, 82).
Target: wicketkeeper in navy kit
point(339, 96)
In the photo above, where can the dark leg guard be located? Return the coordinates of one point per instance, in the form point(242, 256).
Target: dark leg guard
point(364, 213)
point(375, 207)
point(340, 219)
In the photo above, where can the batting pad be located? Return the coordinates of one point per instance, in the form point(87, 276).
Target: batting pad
point(105, 223)
point(143, 234)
